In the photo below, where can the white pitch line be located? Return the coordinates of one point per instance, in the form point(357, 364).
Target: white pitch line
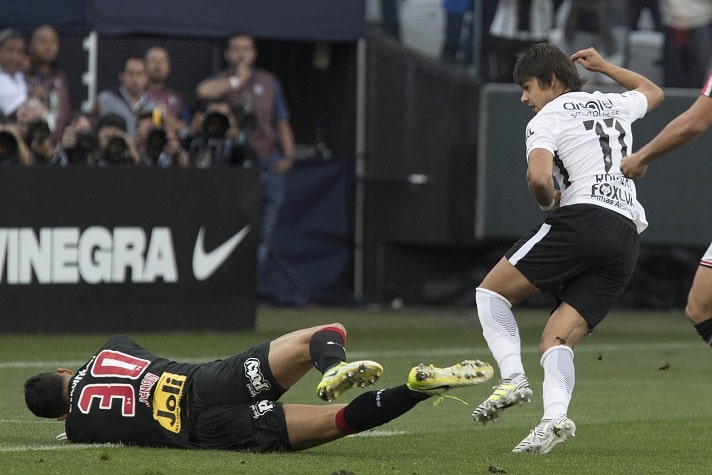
point(62, 446)
point(69, 446)
point(32, 421)
point(478, 351)
point(379, 433)
point(41, 364)
point(531, 349)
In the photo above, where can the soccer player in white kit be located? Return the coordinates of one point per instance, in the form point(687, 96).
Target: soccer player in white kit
point(586, 250)
point(680, 131)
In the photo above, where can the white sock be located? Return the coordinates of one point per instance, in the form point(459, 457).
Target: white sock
point(500, 331)
point(559, 380)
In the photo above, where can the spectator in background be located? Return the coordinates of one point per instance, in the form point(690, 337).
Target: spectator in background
point(634, 9)
point(175, 113)
point(216, 139)
point(33, 127)
point(129, 100)
point(256, 97)
point(458, 31)
point(593, 16)
point(13, 85)
point(688, 41)
point(158, 146)
point(517, 24)
point(46, 80)
point(389, 14)
point(78, 144)
point(116, 147)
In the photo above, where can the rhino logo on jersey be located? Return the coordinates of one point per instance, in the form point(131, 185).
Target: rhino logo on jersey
point(256, 382)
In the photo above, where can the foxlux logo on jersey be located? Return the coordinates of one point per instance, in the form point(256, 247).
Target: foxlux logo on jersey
point(613, 190)
point(67, 255)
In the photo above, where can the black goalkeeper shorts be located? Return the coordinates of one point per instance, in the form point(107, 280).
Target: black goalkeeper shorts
point(233, 404)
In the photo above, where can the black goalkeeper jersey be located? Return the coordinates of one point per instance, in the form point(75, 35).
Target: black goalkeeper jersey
point(126, 394)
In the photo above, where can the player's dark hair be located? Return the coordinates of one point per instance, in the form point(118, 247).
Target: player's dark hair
point(44, 395)
point(542, 60)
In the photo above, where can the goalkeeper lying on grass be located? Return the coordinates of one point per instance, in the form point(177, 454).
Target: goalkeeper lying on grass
point(125, 394)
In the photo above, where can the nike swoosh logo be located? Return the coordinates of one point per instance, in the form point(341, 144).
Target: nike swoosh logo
point(206, 263)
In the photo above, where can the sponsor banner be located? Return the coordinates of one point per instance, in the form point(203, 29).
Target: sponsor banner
point(119, 250)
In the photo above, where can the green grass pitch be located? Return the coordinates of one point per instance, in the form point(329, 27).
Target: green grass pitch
point(642, 402)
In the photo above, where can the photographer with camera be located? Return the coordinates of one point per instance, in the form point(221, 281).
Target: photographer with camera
point(33, 127)
point(130, 99)
point(13, 150)
point(175, 112)
point(158, 144)
point(267, 129)
point(78, 145)
point(116, 148)
point(216, 138)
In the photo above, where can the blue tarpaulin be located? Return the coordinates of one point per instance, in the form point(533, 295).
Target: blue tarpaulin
point(68, 16)
point(313, 20)
point(314, 236)
point(323, 20)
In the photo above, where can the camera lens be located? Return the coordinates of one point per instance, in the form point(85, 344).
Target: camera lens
point(8, 145)
point(37, 130)
point(84, 147)
point(85, 141)
point(116, 150)
point(155, 141)
point(215, 125)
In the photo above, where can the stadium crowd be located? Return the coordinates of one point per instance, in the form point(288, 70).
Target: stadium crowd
point(668, 36)
point(142, 121)
point(155, 127)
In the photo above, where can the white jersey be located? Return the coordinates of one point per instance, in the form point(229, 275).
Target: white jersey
point(588, 134)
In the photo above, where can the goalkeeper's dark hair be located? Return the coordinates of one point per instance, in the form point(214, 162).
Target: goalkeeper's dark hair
point(542, 60)
point(44, 395)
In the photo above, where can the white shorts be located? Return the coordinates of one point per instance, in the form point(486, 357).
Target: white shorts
point(707, 257)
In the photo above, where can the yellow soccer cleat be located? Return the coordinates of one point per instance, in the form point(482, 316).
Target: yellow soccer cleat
point(435, 381)
point(343, 376)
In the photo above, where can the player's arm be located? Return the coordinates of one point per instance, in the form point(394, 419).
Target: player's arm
point(681, 130)
point(215, 88)
point(540, 179)
point(592, 60)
